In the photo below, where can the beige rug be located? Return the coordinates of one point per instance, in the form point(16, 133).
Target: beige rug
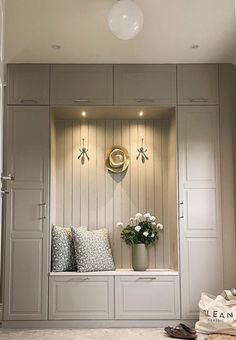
point(86, 334)
point(220, 337)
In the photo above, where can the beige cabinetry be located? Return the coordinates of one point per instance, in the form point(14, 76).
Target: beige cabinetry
point(82, 84)
point(145, 85)
point(26, 233)
point(81, 297)
point(28, 84)
point(200, 205)
point(147, 297)
point(197, 84)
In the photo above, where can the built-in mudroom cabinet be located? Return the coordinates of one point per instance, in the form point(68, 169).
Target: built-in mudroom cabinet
point(52, 112)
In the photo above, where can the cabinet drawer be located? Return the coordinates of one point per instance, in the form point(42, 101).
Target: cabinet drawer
point(145, 84)
point(85, 297)
point(28, 84)
point(197, 84)
point(144, 297)
point(82, 84)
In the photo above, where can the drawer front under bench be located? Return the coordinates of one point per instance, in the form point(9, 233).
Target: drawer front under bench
point(144, 297)
point(84, 297)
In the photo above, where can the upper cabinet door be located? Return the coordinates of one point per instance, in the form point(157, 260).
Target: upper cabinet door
point(145, 84)
point(82, 84)
point(28, 84)
point(197, 84)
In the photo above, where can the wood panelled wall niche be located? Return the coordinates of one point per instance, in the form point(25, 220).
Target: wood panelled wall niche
point(86, 193)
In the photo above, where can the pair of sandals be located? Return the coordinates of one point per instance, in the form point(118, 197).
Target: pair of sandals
point(181, 332)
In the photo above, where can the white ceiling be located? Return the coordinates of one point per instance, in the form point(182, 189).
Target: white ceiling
point(80, 27)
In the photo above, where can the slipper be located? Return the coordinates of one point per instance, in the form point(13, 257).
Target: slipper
point(188, 329)
point(180, 333)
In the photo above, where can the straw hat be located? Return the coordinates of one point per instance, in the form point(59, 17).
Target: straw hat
point(117, 159)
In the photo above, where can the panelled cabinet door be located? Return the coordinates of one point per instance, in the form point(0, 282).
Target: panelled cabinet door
point(82, 84)
point(147, 297)
point(197, 84)
point(145, 85)
point(200, 206)
point(28, 84)
point(26, 234)
point(81, 297)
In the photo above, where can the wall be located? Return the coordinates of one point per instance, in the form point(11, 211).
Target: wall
point(87, 194)
point(228, 169)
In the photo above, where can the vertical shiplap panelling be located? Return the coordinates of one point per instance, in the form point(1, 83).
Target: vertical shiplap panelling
point(125, 204)
point(84, 181)
point(76, 203)
point(68, 174)
point(165, 168)
point(60, 166)
point(92, 180)
point(158, 187)
point(88, 194)
point(101, 174)
point(141, 169)
point(109, 190)
point(150, 197)
point(117, 185)
point(133, 169)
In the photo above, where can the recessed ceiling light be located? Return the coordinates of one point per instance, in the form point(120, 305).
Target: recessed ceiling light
point(141, 113)
point(194, 46)
point(83, 114)
point(56, 47)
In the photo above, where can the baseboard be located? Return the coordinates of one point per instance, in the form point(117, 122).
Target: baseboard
point(95, 323)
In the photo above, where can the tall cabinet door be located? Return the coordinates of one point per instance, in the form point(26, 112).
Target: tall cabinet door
point(26, 242)
point(199, 204)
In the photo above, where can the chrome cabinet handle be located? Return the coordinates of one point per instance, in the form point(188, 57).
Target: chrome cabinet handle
point(43, 214)
point(81, 279)
point(144, 100)
point(4, 192)
point(81, 100)
point(181, 204)
point(9, 177)
point(198, 100)
point(147, 278)
point(25, 101)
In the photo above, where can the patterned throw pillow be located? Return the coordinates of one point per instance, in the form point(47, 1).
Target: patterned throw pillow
point(63, 251)
point(92, 250)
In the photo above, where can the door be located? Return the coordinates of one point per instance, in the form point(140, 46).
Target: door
point(26, 240)
point(197, 84)
point(200, 206)
point(2, 7)
point(145, 85)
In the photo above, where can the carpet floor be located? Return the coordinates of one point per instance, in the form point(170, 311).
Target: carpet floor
point(86, 334)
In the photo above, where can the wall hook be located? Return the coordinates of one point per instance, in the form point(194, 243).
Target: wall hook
point(142, 153)
point(83, 152)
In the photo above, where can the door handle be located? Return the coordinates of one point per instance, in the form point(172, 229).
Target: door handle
point(43, 214)
point(28, 101)
point(4, 192)
point(9, 177)
point(181, 214)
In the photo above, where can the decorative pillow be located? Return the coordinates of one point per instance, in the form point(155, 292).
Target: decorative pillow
point(92, 250)
point(63, 251)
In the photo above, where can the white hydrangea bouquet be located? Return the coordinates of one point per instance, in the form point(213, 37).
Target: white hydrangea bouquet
point(143, 228)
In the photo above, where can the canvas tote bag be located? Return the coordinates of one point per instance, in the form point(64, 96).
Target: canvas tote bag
point(217, 313)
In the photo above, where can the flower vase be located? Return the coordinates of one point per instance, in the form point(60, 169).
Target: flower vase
point(139, 257)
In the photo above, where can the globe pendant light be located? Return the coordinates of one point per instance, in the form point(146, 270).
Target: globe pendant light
point(125, 19)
